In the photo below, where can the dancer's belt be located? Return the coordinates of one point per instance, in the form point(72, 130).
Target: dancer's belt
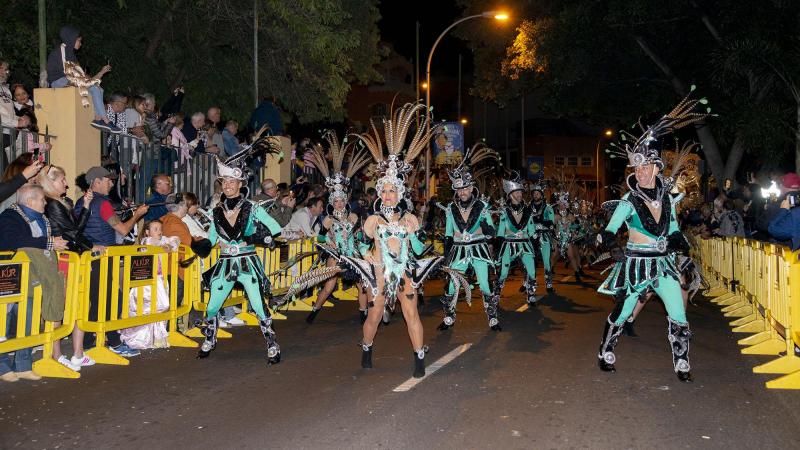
point(468, 239)
point(237, 250)
point(516, 239)
point(648, 250)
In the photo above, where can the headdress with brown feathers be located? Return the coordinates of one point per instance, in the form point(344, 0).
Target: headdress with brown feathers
point(338, 183)
point(645, 149)
point(394, 167)
point(236, 166)
point(461, 177)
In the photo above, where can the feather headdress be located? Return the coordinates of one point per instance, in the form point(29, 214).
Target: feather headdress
point(461, 177)
point(236, 167)
point(338, 182)
point(394, 166)
point(645, 149)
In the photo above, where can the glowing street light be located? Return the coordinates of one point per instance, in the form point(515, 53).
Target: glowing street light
point(496, 15)
point(464, 121)
point(424, 86)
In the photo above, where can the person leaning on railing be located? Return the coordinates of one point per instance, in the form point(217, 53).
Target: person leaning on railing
point(63, 223)
point(25, 227)
point(103, 228)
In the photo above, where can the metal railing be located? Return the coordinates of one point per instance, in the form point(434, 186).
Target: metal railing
point(16, 142)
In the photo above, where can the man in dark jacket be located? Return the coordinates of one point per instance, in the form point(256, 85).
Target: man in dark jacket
point(161, 186)
point(786, 223)
point(24, 225)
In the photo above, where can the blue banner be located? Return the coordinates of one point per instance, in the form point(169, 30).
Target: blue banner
point(448, 143)
point(535, 168)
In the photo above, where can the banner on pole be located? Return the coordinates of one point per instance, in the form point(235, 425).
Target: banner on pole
point(448, 144)
point(535, 167)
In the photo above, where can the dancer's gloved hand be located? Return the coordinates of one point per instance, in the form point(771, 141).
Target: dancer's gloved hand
point(422, 235)
point(676, 242)
point(487, 229)
point(605, 240)
point(448, 246)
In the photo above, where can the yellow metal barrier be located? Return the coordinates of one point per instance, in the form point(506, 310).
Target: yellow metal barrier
point(119, 270)
point(766, 301)
point(15, 289)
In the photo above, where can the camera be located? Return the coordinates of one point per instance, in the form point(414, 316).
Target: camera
point(793, 198)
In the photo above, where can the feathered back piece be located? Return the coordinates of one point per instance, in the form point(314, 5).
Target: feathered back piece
point(235, 166)
point(394, 167)
point(567, 192)
point(338, 183)
point(682, 155)
point(461, 177)
point(645, 148)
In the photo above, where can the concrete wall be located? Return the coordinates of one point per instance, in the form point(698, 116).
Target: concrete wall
point(76, 144)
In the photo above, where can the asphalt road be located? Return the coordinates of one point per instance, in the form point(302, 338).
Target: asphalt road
point(533, 385)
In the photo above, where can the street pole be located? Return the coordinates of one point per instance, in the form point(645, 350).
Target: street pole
point(255, 51)
point(522, 132)
point(597, 173)
point(42, 45)
point(488, 15)
point(458, 117)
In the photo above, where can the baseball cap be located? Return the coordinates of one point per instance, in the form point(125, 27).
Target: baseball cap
point(790, 182)
point(99, 172)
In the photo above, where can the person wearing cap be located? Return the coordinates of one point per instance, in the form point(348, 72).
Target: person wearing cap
point(103, 228)
point(515, 234)
point(785, 225)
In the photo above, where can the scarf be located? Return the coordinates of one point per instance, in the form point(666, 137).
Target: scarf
point(36, 221)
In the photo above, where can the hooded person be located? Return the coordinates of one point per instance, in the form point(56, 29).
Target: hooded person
point(64, 70)
point(468, 229)
point(649, 261)
point(238, 225)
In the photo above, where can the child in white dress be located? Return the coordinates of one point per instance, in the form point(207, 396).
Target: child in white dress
point(153, 335)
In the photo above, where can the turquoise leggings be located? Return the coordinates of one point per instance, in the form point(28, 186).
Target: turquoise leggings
point(668, 289)
point(481, 273)
point(545, 250)
point(221, 288)
point(528, 261)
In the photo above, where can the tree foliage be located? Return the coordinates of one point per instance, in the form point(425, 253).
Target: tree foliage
point(309, 50)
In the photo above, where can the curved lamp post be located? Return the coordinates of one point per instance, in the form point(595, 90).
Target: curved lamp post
point(497, 15)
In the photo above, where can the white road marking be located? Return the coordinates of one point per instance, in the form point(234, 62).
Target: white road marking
point(430, 370)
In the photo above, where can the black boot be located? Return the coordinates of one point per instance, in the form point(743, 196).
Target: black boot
point(548, 282)
point(273, 349)
point(530, 291)
point(312, 315)
point(419, 362)
point(362, 315)
point(490, 303)
point(628, 328)
point(578, 278)
point(605, 356)
point(447, 322)
point(679, 336)
point(366, 356)
point(210, 333)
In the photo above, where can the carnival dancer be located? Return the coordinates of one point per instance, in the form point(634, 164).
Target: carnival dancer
point(239, 225)
point(567, 227)
point(648, 262)
point(468, 228)
point(516, 232)
point(341, 226)
point(389, 267)
point(543, 216)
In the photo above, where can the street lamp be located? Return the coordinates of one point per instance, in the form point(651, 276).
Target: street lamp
point(606, 134)
point(424, 86)
point(496, 15)
point(464, 121)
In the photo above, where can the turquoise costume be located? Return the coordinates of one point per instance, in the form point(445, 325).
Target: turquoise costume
point(542, 216)
point(468, 228)
point(648, 262)
point(238, 261)
point(516, 232)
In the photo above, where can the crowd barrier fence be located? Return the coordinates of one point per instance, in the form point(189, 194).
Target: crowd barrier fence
point(757, 285)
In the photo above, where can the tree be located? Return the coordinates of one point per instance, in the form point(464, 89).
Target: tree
point(309, 50)
point(619, 59)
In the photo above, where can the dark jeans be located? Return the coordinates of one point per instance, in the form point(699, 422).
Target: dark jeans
point(112, 337)
point(22, 361)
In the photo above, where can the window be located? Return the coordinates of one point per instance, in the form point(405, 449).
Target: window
point(572, 161)
point(559, 162)
point(586, 161)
